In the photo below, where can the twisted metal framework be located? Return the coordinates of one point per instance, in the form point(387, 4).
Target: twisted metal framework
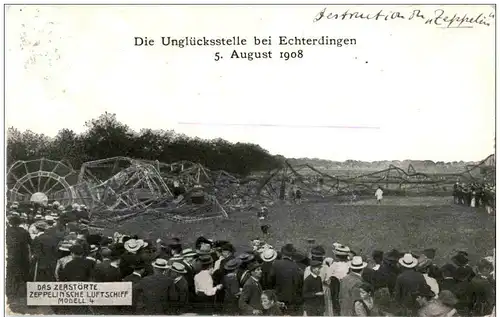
point(48, 179)
point(121, 183)
point(317, 183)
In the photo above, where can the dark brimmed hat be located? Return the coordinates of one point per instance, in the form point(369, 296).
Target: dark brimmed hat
point(393, 255)
point(461, 258)
point(448, 269)
point(315, 263)
point(203, 240)
point(94, 239)
point(76, 249)
point(430, 253)
point(377, 254)
point(232, 264)
point(205, 259)
point(227, 247)
point(318, 251)
point(173, 242)
point(219, 243)
point(246, 257)
point(288, 250)
point(253, 266)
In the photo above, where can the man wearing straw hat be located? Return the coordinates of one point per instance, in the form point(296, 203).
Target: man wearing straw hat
point(178, 295)
point(408, 282)
point(348, 284)
point(150, 295)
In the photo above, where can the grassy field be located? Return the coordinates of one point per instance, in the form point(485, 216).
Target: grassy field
point(412, 223)
point(405, 223)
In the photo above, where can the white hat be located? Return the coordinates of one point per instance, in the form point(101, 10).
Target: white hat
point(328, 261)
point(408, 261)
point(61, 208)
point(56, 203)
point(340, 249)
point(268, 255)
point(75, 206)
point(134, 245)
point(357, 263)
point(160, 263)
point(49, 218)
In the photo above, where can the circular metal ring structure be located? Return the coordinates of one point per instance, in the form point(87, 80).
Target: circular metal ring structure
point(40, 181)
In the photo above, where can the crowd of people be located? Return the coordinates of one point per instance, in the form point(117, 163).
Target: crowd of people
point(212, 277)
point(475, 195)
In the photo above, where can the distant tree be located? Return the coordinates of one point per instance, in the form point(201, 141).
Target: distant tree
point(106, 137)
point(26, 145)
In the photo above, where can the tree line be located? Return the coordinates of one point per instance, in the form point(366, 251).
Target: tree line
point(106, 137)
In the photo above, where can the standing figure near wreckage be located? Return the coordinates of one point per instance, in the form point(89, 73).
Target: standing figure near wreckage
point(262, 214)
point(178, 189)
point(456, 190)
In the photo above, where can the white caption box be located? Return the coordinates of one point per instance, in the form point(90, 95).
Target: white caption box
point(79, 294)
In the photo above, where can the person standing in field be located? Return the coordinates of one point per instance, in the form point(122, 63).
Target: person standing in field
point(379, 193)
point(263, 220)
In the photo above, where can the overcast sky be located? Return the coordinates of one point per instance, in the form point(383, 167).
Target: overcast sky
point(428, 92)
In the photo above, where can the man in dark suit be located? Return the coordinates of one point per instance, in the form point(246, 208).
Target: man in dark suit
point(249, 302)
point(407, 283)
point(178, 294)
point(108, 270)
point(79, 269)
point(481, 290)
point(45, 254)
point(288, 279)
point(18, 243)
point(188, 256)
point(139, 268)
point(314, 299)
point(349, 284)
point(447, 282)
point(150, 295)
point(388, 272)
